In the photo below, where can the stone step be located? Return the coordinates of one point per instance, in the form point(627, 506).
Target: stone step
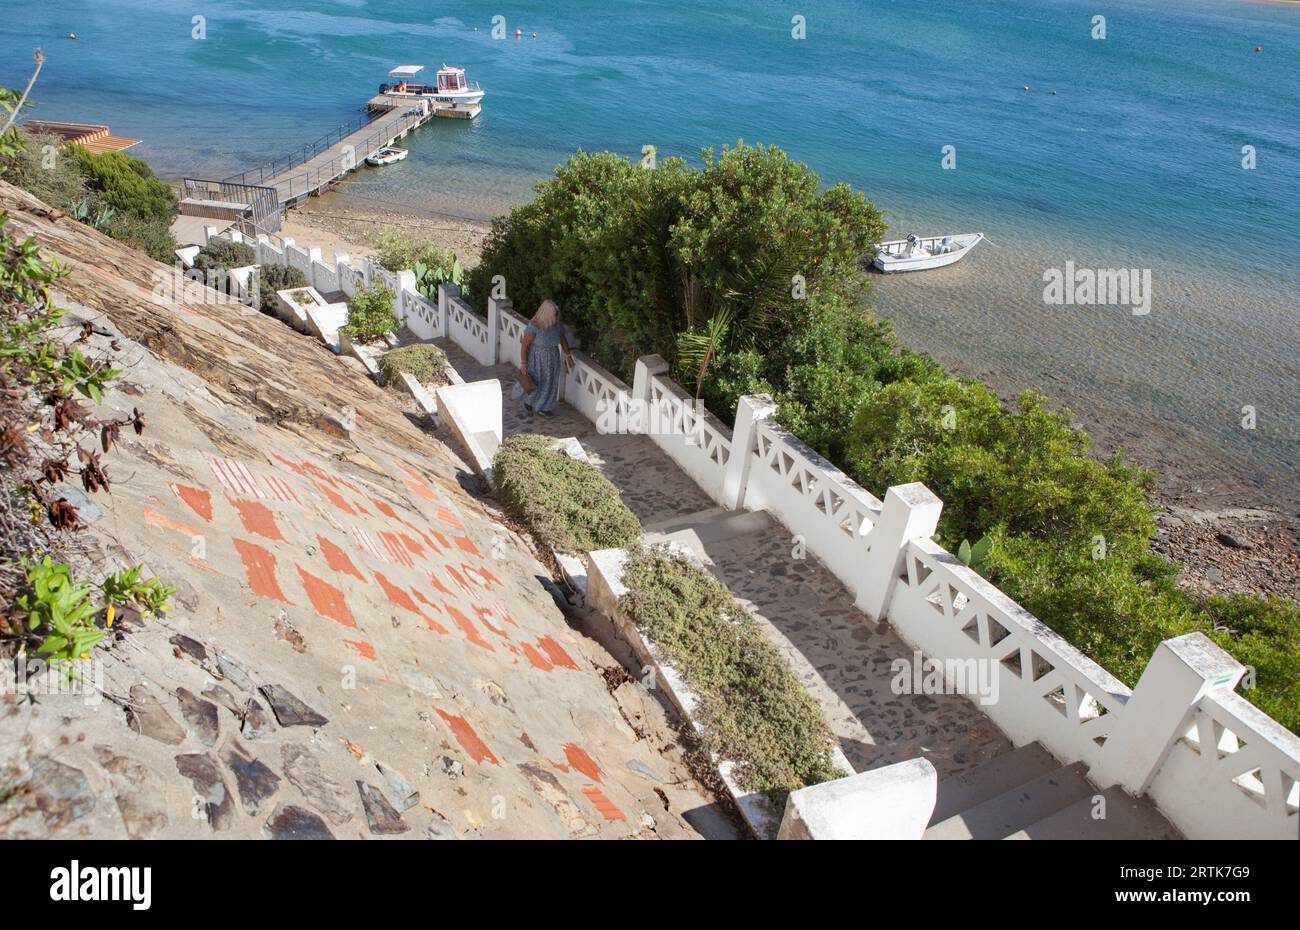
point(990, 779)
point(1013, 810)
point(1126, 818)
point(708, 526)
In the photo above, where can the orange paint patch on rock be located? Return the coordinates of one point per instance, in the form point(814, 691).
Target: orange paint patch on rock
point(438, 585)
point(154, 518)
point(257, 518)
point(363, 649)
point(414, 547)
point(197, 499)
point(461, 582)
point(259, 565)
point(433, 624)
point(292, 466)
point(555, 652)
point(337, 559)
point(335, 499)
point(582, 762)
point(398, 596)
point(449, 518)
point(608, 809)
point(384, 508)
point(467, 545)
point(483, 614)
point(415, 481)
point(536, 659)
point(486, 576)
point(467, 738)
point(468, 628)
point(327, 599)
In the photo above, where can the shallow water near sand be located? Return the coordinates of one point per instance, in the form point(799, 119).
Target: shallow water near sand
point(1134, 162)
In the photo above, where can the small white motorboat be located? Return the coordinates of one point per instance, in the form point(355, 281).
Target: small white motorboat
point(386, 156)
point(450, 86)
point(917, 253)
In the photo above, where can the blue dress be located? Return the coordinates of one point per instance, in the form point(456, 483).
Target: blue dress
point(544, 367)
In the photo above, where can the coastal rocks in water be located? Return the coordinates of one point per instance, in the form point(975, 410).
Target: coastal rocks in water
point(201, 769)
point(379, 813)
point(289, 710)
point(291, 822)
point(255, 780)
point(326, 795)
point(201, 715)
point(138, 789)
point(62, 793)
point(148, 718)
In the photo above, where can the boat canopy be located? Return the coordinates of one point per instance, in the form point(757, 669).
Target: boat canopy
point(405, 71)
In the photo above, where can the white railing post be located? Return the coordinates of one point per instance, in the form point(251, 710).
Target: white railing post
point(494, 308)
point(910, 512)
point(405, 286)
point(1160, 709)
point(259, 250)
point(446, 291)
point(641, 418)
point(313, 256)
point(751, 410)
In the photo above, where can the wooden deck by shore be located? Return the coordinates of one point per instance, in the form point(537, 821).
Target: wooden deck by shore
point(255, 199)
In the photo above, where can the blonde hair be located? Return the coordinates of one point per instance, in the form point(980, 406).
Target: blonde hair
point(547, 315)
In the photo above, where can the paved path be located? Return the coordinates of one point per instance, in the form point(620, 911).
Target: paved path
point(843, 659)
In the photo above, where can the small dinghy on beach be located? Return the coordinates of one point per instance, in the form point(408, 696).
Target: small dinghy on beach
point(386, 156)
point(916, 253)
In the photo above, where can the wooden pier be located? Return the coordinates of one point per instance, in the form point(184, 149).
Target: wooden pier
point(259, 197)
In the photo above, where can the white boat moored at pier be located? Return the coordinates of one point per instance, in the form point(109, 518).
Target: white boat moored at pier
point(917, 253)
point(388, 155)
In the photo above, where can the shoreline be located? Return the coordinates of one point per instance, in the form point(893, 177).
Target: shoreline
point(1201, 493)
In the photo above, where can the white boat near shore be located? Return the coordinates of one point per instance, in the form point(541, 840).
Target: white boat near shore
point(389, 155)
point(919, 253)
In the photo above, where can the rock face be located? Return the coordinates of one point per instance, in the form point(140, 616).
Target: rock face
point(401, 713)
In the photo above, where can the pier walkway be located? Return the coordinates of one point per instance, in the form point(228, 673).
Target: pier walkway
point(255, 200)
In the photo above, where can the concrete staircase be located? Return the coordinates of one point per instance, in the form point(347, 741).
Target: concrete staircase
point(1026, 794)
point(703, 528)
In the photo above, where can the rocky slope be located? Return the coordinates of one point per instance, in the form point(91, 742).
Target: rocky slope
point(359, 647)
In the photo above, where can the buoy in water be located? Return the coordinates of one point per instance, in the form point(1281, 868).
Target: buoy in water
point(519, 33)
point(1026, 88)
point(1258, 49)
point(73, 35)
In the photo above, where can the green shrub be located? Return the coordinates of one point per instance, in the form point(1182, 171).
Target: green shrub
point(272, 278)
point(424, 362)
point(222, 254)
point(127, 184)
point(636, 258)
point(47, 173)
point(149, 236)
point(756, 713)
point(568, 504)
point(397, 250)
point(370, 313)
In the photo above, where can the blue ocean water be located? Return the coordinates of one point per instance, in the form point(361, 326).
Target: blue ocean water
point(1127, 148)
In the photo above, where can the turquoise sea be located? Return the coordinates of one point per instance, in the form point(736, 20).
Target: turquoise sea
point(1125, 152)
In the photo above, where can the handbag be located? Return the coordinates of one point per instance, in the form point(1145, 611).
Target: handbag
point(527, 383)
